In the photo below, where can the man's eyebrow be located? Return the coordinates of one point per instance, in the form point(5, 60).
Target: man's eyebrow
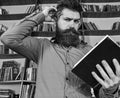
point(67, 18)
point(71, 18)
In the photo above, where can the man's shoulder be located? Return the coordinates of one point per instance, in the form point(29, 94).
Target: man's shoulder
point(45, 41)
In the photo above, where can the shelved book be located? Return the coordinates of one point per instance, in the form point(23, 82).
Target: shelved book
point(7, 93)
point(28, 91)
point(12, 67)
point(103, 8)
point(107, 49)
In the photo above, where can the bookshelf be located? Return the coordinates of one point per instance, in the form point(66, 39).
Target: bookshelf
point(22, 77)
point(103, 16)
point(8, 65)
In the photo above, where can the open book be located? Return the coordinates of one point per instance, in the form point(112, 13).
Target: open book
point(106, 49)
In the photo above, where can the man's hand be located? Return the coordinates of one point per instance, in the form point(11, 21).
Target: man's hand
point(110, 79)
point(46, 11)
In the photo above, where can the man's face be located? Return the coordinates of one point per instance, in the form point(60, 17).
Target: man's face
point(67, 28)
point(68, 19)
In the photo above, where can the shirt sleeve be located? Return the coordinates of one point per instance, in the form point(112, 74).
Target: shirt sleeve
point(17, 37)
point(112, 92)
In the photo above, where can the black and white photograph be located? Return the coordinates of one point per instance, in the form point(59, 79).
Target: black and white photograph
point(72, 48)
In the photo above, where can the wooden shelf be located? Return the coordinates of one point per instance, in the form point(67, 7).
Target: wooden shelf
point(17, 82)
point(101, 14)
point(99, 1)
point(29, 82)
point(11, 82)
point(13, 16)
point(101, 32)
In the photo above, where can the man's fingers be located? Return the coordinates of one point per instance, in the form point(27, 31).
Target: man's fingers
point(103, 73)
point(109, 77)
point(109, 70)
point(117, 67)
point(99, 79)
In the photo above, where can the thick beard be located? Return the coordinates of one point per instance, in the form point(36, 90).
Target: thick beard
point(67, 38)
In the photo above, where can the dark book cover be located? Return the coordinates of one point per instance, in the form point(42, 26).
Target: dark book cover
point(106, 49)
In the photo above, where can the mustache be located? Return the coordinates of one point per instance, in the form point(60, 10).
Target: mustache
point(71, 30)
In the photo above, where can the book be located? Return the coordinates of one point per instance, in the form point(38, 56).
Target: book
point(31, 73)
point(28, 91)
point(106, 49)
point(7, 93)
point(11, 67)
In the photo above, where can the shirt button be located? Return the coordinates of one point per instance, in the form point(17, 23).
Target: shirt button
point(67, 50)
point(67, 63)
point(67, 78)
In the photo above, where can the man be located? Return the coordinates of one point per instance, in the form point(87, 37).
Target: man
point(56, 58)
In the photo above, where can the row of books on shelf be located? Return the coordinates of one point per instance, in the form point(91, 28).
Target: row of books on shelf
point(92, 26)
point(88, 26)
point(30, 9)
point(46, 26)
point(103, 8)
point(8, 93)
point(33, 8)
point(28, 91)
point(11, 70)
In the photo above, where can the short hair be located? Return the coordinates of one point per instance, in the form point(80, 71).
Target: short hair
point(70, 4)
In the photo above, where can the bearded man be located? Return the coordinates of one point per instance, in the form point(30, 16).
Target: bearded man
point(56, 57)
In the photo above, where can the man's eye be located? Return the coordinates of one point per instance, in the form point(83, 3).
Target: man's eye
point(76, 21)
point(68, 19)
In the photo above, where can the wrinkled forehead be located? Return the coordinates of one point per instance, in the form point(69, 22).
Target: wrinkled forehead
point(70, 14)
